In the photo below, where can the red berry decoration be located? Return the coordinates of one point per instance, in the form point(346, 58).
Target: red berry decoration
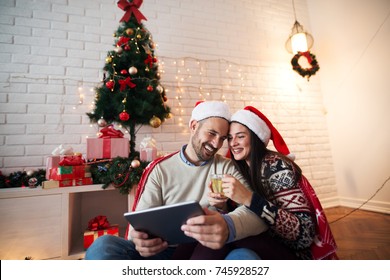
point(124, 72)
point(124, 116)
point(149, 88)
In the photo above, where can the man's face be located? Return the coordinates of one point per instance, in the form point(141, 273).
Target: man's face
point(208, 137)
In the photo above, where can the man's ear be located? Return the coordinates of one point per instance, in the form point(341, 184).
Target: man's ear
point(193, 125)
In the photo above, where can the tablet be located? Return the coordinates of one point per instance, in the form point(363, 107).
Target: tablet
point(165, 221)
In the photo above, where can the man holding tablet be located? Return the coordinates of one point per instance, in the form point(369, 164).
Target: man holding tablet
point(185, 176)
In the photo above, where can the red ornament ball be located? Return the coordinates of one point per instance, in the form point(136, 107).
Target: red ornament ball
point(124, 116)
point(124, 72)
point(149, 88)
point(110, 84)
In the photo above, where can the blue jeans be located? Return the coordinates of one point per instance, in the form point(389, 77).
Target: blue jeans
point(109, 247)
point(242, 254)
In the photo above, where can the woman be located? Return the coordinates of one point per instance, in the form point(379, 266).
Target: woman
point(280, 194)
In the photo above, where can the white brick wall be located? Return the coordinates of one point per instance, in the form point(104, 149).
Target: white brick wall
point(53, 50)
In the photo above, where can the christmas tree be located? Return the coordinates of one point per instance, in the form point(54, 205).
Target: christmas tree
point(131, 94)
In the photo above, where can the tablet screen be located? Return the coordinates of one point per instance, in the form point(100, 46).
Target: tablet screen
point(165, 221)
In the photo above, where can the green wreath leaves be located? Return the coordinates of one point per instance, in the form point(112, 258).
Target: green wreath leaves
point(311, 58)
point(117, 172)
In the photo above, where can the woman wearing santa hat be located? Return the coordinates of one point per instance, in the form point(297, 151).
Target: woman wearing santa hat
point(281, 196)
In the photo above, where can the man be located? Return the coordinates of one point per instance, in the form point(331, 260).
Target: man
point(184, 176)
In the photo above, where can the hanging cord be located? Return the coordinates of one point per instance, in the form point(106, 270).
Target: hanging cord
point(295, 13)
point(365, 49)
point(346, 215)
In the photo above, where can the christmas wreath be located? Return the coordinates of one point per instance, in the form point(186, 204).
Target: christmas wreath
point(311, 58)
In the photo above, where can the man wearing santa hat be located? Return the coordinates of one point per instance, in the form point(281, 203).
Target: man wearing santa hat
point(184, 176)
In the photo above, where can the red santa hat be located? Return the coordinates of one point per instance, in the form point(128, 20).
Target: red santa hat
point(208, 109)
point(262, 127)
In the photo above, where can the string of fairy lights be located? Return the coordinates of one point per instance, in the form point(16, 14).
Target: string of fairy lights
point(188, 78)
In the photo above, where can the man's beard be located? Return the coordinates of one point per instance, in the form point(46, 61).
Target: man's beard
point(200, 147)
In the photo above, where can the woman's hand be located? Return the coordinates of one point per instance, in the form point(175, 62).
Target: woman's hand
point(217, 200)
point(233, 189)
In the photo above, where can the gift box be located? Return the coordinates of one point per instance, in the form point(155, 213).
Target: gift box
point(100, 148)
point(60, 155)
point(69, 172)
point(51, 162)
point(83, 181)
point(110, 144)
point(66, 183)
point(148, 149)
point(98, 226)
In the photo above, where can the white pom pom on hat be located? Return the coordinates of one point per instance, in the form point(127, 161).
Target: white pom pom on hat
point(208, 109)
point(262, 127)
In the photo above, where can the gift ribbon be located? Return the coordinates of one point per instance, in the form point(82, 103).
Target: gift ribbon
point(98, 223)
point(131, 8)
point(106, 147)
point(110, 132)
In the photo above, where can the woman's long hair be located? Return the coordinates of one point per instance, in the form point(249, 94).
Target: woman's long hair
point(253, 174)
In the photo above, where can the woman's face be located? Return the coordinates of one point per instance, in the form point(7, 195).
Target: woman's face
point(239, 141)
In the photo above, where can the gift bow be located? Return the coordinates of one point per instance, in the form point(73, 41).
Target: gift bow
point(148, 142)
point(150, 60)
point(110, 132)
point(62, 150)
point(131, 8)
point(99, 222)
point(72, 160)
point(126, 82)
point(307, 55)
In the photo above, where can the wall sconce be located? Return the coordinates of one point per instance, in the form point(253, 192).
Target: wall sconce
point(299, 43)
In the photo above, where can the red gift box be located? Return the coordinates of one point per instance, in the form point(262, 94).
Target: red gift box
point(66, 183)
point(100, 148)
point(83, 181)
point(62, 160)
point(91, 235)
point(98, 226)
point(68, 172)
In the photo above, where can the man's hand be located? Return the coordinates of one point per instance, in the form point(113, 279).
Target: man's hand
point(210, 230)
point(147, 247)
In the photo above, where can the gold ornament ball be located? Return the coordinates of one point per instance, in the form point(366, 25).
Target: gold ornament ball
point(155, 122)
point(108, 59)
point(129, 31)
point(135, 163)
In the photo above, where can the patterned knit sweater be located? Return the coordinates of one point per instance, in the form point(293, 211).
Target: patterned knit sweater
point(287, 212)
